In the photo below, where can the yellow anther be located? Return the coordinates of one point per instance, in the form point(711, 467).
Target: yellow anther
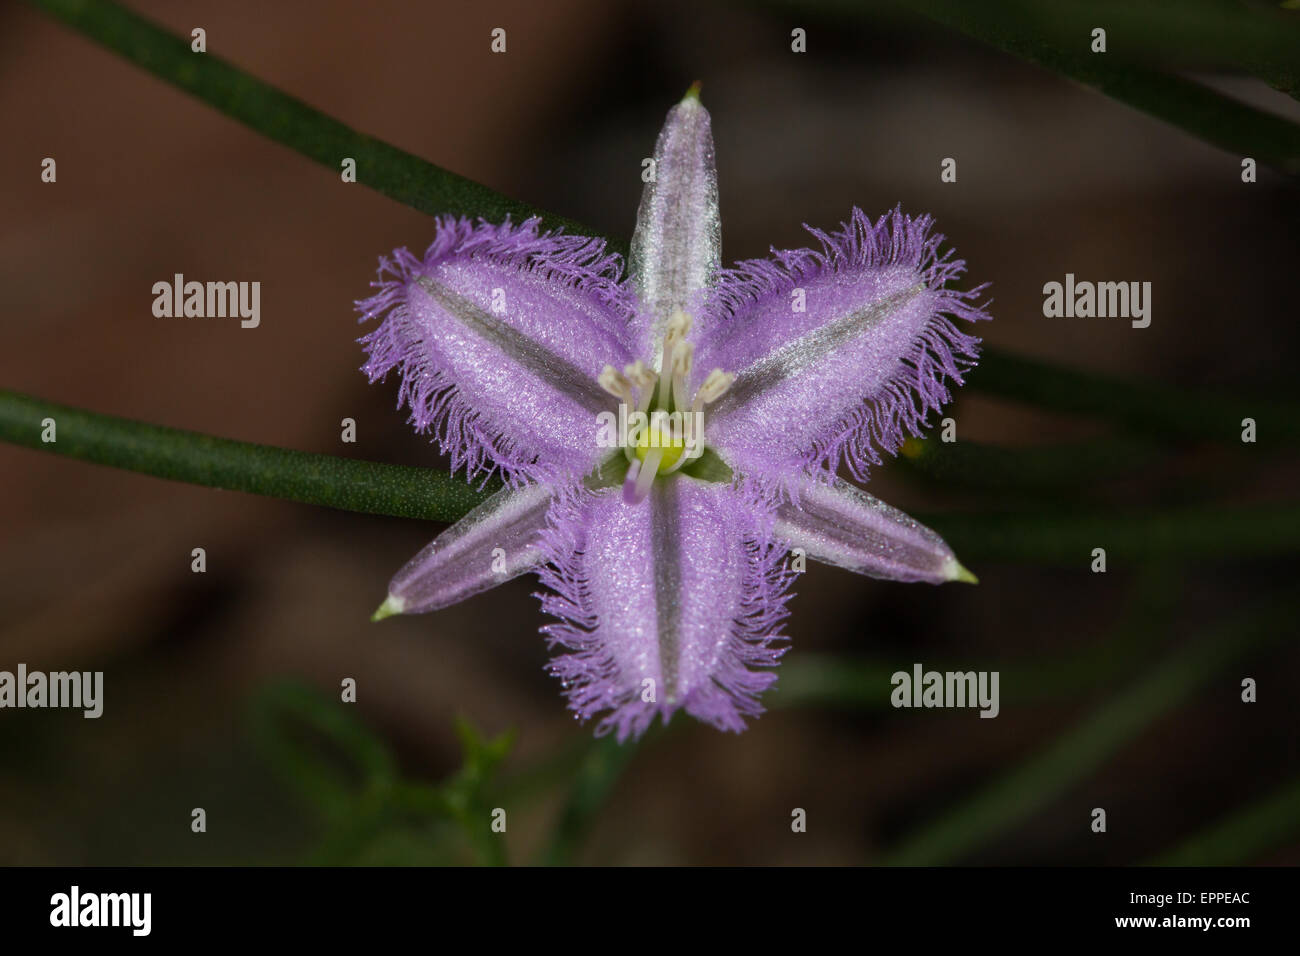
point(712, 389)
point(613, 382)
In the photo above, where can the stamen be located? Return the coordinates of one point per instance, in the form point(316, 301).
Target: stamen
point(712, 389)
point(682, 359)
point(677, 328)
point(640, 375)
point(611, 381)
point(663, 449)
point(679, 325)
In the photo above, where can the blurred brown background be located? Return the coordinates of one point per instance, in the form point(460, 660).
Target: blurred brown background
point(95, 563)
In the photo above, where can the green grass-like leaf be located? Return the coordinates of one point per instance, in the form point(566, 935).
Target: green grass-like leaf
point(1147, 408)
point(347, 484)
point(1077, 753)
point(1057, 37)
point(1129, 537)
point(1260, 827)
point(287, 120)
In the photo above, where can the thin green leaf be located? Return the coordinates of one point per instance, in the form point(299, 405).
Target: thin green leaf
point(1147, 408)
point(824, 680)
point(592, 787)
point(1262, 827)
point(349, 485)
point(287, 120)
point(1076, 754)
point(1063, 46)
point(359, 761)
point(1128, 537)
point(974, 464)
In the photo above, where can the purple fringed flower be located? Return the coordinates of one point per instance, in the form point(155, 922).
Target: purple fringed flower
point(666, 439)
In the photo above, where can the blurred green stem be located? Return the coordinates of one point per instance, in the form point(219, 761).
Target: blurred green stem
point(974, 464)
point(1260, 828)
point(343, 483)
point(287, 120)
point(822, 680)
point(1068, 539)
point(1077, 753)
point(593, 784)
point(1061, 42)
point(1148, 408)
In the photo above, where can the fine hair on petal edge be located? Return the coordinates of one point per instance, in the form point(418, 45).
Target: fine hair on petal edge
point(462, 432)
point(590, 674)
point(939, 352)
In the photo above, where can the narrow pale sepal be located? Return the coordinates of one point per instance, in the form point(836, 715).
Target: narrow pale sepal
point(497, 541)
point(677, 244)
point(837, 523)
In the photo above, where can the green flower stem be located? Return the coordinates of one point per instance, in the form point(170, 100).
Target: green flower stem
point(1060, 40)
point(1128, 537)
point(973, 464)
point(1261, 828)
point(592, 787)
point(1155, 592)
point(1258, 38)
point(823, 680)
point(1150, 409)
point(1077, 753)
point(279, 714)
point(285, 119)
point(347, 484)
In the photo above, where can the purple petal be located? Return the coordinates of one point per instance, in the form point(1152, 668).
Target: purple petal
point(679, 597)
point(863, 366)
point(837, 523)
point(497, 541)
point(499, 334)
point(676, 246)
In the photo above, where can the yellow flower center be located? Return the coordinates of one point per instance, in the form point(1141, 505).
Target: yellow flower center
point(661, 436)
point(672, 419)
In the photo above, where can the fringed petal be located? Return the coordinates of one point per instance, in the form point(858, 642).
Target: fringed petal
point(499, 334)
point(837, 353)
point(673, 603)
point(677, 243)
point(837, 523)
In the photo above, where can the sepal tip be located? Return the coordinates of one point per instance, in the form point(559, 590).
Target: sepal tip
point(958, 572)
point(392, 605)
